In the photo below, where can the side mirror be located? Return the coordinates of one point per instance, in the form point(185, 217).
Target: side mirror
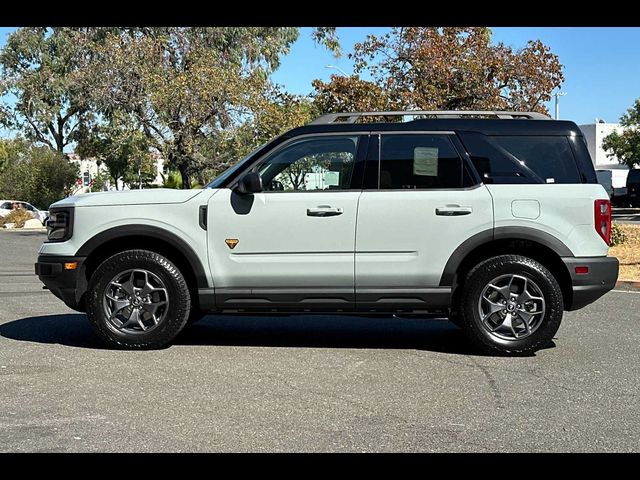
point(249, 183)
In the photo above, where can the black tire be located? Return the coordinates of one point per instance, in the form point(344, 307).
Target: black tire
point(177, 291)
point(489, 270)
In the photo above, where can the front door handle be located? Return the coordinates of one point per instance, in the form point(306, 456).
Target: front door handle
point(324, 211)
point(453, 210)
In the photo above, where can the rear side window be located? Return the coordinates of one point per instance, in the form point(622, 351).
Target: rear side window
point(419, 161)
point(634, 176)
point(550, 158)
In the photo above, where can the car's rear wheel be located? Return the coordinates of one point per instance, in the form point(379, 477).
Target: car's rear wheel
point(510, 304)
point(138, 299)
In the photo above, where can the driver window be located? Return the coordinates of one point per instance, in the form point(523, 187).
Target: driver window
point(311, 164)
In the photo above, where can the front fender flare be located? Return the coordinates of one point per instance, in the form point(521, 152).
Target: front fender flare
point(152, 232)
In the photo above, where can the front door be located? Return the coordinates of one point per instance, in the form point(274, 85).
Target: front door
point(292, 245)
point(421, 204)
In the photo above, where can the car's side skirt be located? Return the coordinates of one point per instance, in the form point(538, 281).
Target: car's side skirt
point(325, 300)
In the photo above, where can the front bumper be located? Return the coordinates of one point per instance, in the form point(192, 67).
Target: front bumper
point(68, 285)
point(587, 288)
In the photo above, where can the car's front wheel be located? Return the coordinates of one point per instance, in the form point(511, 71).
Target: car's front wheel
point(510, 304)
point(138, 299)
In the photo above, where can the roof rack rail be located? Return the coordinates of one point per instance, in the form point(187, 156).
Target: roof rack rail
point(353, 116)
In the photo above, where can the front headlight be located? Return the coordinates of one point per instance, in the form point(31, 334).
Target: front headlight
point(60, 224)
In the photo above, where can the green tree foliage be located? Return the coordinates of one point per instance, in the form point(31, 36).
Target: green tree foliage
point(171, 179)
point(42, 76)
point(272, 114)
point(451, 68)
point(11, 149)
point(123, 149)
point(36, 174)
point(185, 86)
point(625, 146)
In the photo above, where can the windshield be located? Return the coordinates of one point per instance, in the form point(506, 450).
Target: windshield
point(220, 179)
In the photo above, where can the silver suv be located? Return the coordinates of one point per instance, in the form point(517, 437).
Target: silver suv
point(495, 219)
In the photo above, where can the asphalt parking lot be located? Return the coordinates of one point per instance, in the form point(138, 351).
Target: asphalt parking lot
point(314, 383)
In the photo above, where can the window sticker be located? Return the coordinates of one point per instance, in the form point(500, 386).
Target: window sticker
point(425, 161)
point(332, 179)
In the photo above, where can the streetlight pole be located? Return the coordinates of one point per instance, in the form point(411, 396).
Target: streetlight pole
point(339, 69)
point(558, 94)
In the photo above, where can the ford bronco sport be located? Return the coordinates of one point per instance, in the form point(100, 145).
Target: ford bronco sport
point(494, 219)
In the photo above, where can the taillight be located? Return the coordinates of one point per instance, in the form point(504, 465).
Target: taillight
point(602, 219)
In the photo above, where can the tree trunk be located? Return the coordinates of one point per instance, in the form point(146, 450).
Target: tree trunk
point(186, 178)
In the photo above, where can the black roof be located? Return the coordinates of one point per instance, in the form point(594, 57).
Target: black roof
point(481, 125)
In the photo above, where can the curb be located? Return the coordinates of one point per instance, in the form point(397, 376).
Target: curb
point(628, 285)
point(42, 229)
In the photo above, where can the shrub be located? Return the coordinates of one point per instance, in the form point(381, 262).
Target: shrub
point(618, 236)
point(36, 175)
point(19, 217)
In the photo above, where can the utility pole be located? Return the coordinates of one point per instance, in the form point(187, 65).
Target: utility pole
point(558, 94)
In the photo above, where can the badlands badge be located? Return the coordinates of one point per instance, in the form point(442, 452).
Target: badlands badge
point(231, 242)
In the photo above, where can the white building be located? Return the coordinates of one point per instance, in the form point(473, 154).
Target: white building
point(594, 133)
point(89, 170)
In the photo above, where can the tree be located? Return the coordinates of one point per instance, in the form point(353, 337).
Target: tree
point(272, 113)
point(625, 146)
point(187, 86)
point(123, 149)
point(451, 68)
point(184, 86)
point(10, 149)
point(43, 83)
point(351, 94)
point(37, 175)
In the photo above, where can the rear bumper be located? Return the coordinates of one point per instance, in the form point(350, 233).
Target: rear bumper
point(68, 285)
point(587, 288)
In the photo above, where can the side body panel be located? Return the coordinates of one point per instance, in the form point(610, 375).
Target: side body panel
point(564, 211)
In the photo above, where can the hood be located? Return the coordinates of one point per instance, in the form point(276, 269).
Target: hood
point(128, 197)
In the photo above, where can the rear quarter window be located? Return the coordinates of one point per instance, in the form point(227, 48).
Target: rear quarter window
point(492, 163)
point(550, 158)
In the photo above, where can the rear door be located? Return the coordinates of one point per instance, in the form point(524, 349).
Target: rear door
point(420, 203)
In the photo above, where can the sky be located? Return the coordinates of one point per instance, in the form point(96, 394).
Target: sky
point(601, 65)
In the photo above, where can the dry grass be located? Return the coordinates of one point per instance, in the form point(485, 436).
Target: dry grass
point(628, 253)
point(17, 216)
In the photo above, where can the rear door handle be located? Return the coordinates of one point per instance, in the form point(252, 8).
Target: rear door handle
point(324, 211)
point(453, 210)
